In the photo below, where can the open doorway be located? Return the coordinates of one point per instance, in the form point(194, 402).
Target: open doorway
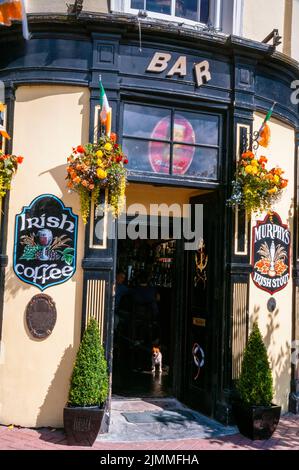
point(144, 317)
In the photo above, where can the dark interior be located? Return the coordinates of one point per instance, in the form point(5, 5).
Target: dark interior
point(144, 317)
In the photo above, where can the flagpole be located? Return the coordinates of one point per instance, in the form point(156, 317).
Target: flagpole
point(25, 28)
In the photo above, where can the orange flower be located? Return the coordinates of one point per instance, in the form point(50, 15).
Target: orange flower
point(263, 159)
point(80, 149)
point(113, 137)
point(91, 187)
point(85, 183)
point(284, 183)
point(20, 159)
point(248, 154)
point(77, 180)
point(70, 184)
point(278, 171)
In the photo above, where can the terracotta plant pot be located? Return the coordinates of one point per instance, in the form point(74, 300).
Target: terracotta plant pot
point(82, 424)
point(256, 422)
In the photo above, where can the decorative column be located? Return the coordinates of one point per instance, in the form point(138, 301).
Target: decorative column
point(4, 205)
point(294, 395)
point(238, 236)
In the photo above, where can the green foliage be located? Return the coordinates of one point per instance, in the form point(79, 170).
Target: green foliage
point(255, 385)
point(89, 382)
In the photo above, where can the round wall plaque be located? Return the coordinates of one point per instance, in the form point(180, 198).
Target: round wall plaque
point(271, 304)
point(41, 316)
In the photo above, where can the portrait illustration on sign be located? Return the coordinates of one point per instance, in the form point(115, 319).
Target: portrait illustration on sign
point(183, 133)
point(45, 242)
point(271, 254)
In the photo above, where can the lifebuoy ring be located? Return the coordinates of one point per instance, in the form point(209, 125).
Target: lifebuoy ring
point(199, 362)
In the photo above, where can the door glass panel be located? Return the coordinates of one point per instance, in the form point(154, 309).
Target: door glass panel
point(147, 122)
point(195, 161)
point(153, 134)
point(199, 128)
point(147, 156)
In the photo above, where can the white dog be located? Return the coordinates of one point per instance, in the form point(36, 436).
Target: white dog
point(156, 359)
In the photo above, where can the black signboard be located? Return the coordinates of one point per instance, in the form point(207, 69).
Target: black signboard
point(271, 254)
point(45, 246)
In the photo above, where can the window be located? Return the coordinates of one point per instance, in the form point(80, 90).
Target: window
point(171, 142)
point(190, 10)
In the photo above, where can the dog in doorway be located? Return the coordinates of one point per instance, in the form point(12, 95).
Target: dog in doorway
point(156, 359)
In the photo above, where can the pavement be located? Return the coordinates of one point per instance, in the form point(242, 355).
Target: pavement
point(150, 432)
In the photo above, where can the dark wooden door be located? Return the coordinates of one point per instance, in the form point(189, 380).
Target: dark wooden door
point(203, 277)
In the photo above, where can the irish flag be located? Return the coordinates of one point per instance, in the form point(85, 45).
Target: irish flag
point(106, 111)
point(264, 133)
point(14, 10)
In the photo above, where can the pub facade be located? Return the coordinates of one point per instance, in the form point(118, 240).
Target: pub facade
point(186, 102)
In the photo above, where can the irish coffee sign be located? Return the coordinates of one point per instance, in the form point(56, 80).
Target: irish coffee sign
point(45, 244)
point(271, 254)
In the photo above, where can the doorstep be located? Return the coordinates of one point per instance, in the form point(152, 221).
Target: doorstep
point(156, 419)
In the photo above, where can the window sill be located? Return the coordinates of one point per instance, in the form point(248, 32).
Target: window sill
point(161, 18)
point(171, 180)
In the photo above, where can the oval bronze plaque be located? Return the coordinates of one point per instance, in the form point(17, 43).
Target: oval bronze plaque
point(41, 316)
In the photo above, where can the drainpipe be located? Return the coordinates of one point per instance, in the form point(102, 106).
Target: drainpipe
point(218, 15)
point(238, 17)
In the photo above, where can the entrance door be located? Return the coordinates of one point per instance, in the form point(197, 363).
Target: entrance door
point(202, 308)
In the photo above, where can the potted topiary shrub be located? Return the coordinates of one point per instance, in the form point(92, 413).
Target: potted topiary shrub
point(88, 392)
point(255, 415)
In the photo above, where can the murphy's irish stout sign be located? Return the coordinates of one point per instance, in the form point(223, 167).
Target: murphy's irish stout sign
point(45, 243)
point(271, 254)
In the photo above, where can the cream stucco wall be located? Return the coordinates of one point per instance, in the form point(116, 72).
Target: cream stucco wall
point(60, 6)
point(34, 374)
point(295, 30)
point(260, 19)
point(276, 327)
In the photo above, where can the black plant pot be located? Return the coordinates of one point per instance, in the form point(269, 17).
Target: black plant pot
point(256, 422)
point(82, 424)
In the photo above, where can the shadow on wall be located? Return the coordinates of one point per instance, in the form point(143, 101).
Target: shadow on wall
point(280, 362)
point(13, 284)
point(51, 411)
point(59, 173)
point(290, 218)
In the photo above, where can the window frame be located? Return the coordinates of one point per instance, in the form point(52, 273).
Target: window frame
point(125, 6)
point(2, 139)
point(172, 178)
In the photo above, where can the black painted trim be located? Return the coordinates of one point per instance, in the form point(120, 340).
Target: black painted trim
point(9, 98)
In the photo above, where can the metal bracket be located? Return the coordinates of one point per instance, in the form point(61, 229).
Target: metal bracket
point(275, 36)
point(75, 8)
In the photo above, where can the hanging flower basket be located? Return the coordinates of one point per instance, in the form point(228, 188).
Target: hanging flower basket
point(92, 167)
point(255, 188)
point(8, 167)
